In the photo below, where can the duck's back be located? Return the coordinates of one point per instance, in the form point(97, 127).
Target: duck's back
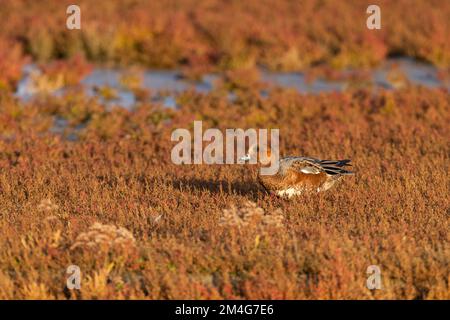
point(297, 175)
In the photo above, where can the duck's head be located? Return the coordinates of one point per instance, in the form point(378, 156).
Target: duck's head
point(265, 154)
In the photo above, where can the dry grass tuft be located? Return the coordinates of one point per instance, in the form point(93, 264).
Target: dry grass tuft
point(251, 215)
point(100, 236)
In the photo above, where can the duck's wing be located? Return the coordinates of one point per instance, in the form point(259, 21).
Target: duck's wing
point(333, 167)
point(315, 166)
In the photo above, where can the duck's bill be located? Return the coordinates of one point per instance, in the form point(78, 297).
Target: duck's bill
point(245, 158)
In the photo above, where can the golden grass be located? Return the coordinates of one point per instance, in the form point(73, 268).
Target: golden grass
point(193, 233)
point(203, 35)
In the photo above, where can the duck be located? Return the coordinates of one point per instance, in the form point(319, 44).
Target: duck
point(300, 175)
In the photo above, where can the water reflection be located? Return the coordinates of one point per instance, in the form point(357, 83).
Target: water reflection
point(393, 74)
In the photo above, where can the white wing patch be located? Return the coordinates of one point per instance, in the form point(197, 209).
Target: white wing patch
point(310, 170)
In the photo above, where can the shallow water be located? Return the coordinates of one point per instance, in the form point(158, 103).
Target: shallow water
point(171, 83)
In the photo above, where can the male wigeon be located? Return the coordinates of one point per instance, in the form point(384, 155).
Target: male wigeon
point(300, 175)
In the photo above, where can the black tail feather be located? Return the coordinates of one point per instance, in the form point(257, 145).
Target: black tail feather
point(339, 163)
point(334, 167)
